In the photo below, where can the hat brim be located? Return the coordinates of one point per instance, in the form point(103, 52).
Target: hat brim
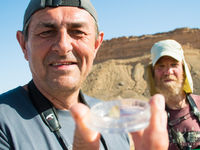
point(167, 53)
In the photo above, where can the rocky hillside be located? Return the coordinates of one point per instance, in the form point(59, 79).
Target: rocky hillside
point(119, 69)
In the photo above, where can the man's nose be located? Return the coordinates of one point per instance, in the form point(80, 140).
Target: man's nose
point(168, 70)
point(63, 43)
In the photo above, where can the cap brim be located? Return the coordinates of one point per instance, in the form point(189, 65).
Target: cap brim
point(167, 53)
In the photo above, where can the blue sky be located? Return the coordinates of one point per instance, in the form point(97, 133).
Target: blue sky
point(117, 18)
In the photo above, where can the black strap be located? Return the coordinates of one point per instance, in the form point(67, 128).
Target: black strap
point(178, 120)
point(49, 115)
point(103, 142)
point(193, 106)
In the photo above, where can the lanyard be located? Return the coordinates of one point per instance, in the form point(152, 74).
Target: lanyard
point(49, 116)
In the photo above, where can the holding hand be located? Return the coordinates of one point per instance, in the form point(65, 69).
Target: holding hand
point(84, 138)
point(154, 137)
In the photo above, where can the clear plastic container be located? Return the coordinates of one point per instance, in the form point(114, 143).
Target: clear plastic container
point(126, 115)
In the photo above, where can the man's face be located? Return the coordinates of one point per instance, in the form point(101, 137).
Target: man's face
point(61, 47)
point(169, 76)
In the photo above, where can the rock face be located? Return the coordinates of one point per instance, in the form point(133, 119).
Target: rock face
point(119, 69)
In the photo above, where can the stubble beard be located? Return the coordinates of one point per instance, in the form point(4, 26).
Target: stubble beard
point(172, 90)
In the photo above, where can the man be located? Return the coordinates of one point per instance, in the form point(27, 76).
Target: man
point(60, 40)
point(172, 78)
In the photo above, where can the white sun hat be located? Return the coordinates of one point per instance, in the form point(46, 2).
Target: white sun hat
point(173, 49)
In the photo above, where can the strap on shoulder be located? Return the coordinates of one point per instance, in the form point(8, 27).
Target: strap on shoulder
point(49, 115)
point(193, 106)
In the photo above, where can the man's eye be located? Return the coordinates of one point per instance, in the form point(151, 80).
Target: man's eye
point(161, 66)
point(77, 33)
point(174, 65)
point(47, 33)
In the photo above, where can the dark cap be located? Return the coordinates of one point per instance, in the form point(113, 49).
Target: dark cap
point(35, 5)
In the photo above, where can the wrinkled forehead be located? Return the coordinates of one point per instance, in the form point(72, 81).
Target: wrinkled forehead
point(65, 11)
point(36, 5)
point(64, 14)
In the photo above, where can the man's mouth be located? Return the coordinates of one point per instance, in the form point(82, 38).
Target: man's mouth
point(168, 80)
point(57, 64)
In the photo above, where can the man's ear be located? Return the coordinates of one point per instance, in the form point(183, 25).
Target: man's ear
point(98, 42)
point(22, 43)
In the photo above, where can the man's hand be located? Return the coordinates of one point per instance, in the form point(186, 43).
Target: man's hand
point(155, 136)
point(84, 138)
